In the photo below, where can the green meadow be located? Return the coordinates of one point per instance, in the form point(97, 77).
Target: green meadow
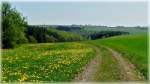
point(62, 61)
point(45, 62)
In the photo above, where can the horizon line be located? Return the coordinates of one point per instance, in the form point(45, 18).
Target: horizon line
point(90, 25)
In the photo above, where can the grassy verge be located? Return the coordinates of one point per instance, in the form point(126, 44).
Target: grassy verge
point(45, 62)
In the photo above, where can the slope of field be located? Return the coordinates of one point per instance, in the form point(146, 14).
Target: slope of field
point(65, 36)
point(45, 62)
point(132, 47)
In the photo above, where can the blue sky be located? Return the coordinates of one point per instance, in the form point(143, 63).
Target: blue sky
point(96, 13)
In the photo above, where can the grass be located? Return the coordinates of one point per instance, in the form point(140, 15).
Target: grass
point(133, 47)
point(51, 62)
point(45, 62)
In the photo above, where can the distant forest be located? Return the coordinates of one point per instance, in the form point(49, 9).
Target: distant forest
point(79, 30)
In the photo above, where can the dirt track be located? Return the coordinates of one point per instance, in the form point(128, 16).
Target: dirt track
point(127, 69)
point(90, 69)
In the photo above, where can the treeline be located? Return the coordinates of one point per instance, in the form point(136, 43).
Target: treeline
point(37, 34)
point(105, 34)
point(69, 28)
point(90, 35)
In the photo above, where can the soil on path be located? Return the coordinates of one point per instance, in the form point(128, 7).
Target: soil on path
point(90, 69)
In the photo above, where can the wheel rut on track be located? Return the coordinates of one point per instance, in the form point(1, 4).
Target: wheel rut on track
point(127, 69)
point(90, 69)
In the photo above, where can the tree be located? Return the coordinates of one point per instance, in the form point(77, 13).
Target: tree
point(13, 26)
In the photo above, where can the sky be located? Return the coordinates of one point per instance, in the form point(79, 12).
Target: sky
point(81, 13)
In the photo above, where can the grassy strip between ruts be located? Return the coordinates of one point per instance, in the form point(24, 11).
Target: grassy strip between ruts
point(109, 70)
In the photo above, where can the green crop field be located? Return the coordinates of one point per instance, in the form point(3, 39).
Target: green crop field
point(45, 62)
point(132, 47)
